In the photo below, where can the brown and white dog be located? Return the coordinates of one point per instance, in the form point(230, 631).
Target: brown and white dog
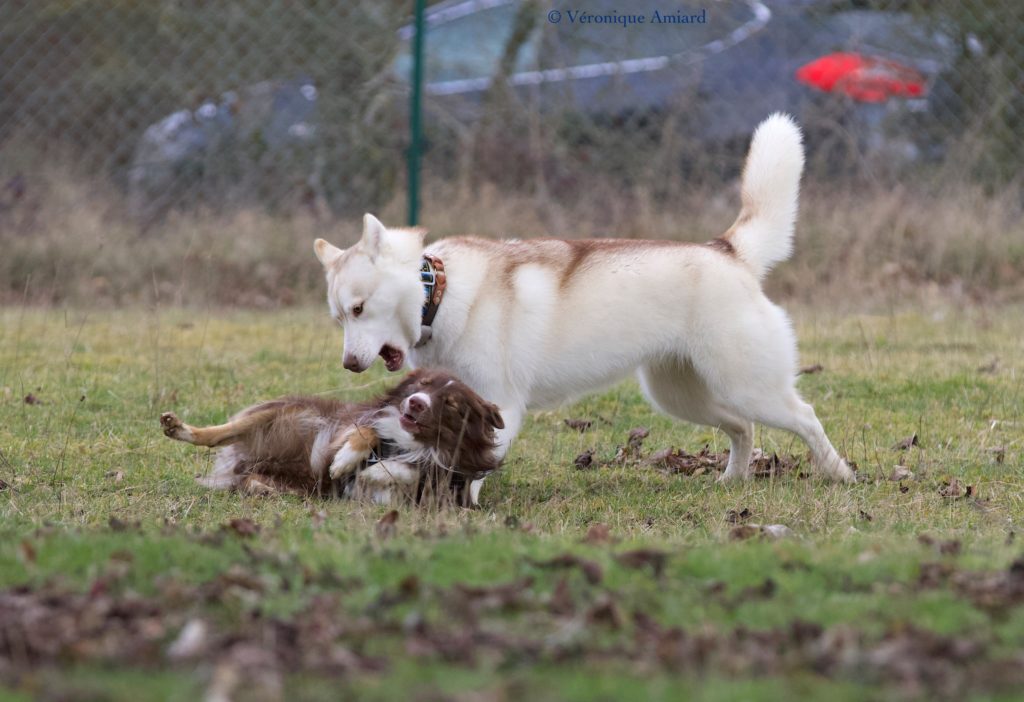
point(429, 434)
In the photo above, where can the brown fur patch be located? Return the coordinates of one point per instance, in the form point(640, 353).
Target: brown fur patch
point(564, 256)
point(359, 439)
point(722, 245)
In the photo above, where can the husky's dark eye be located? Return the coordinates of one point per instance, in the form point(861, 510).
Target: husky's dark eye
point(357, 310)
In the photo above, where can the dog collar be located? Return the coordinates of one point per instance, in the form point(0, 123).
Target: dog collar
point(384, 450)
point(434, 281)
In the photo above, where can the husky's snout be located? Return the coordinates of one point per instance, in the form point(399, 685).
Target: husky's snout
point(351, 362)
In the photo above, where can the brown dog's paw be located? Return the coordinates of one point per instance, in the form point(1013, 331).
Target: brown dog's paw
point(173, 427)
point(169, 421)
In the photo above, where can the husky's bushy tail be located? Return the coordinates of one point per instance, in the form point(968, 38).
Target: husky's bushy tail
point(763, 233)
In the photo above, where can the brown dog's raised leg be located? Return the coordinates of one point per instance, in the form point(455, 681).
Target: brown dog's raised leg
point(218, 435)
point(351, 450)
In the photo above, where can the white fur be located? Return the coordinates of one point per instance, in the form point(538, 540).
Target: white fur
point(763, 234)
point(223, 477)
point(382, 273)
point(320, 453)
point(691, 321)
point(347, 460)
point(421, 396)
point(379, 482)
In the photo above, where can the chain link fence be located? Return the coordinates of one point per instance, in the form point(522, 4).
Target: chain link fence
point(300, 107)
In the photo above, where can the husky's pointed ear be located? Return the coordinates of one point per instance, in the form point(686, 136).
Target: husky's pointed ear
point(373, 235)
point(327, 253)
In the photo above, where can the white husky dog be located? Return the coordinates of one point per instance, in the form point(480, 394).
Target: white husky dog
point(535, 323)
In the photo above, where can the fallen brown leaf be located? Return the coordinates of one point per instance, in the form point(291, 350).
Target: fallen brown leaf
point(763, 591)
point(118, 524)
point(637, 436)
point(995, 591)
point(943, 547)
point(765, 466)
point(954, 490)
point(644, 558)
point(950, 548)
point(633, 450)
point(31, 399)
point(561, 600)
point(598, 534)
point(387, 526)
point(900, 473)
point(28, 551)
point(591, 570)
point(501, 596)
point(580, 425)
point(678, 462)
point(605, 612)
point(242, 527)
point(584, 460)
point(990, 367)
point(811, 370)
point(905, 444)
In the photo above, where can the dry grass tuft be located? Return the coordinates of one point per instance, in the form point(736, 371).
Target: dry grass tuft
point(68, 239)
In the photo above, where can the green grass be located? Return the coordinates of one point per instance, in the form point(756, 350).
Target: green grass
point(90, 450)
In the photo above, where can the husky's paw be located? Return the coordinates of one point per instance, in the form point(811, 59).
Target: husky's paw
point(347, 460)
point(732, 477)
point(174, 428)
point(841, 472)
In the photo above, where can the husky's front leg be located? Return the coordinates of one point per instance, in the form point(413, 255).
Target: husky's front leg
point(353, 449)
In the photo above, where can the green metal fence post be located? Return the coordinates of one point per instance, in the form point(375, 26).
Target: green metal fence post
point(415, 117)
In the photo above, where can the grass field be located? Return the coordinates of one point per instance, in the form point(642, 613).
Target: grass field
point(120, 578)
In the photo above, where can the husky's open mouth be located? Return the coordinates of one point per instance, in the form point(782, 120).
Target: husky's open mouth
point(393, 358)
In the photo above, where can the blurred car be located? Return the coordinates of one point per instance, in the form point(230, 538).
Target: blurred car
point(850, 69)
point(218, 141)
point(863, 78)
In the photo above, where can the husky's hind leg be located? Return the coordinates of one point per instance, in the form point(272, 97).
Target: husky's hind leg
point(213, 436)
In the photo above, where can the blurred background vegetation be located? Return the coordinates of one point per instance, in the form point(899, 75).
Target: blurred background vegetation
point(188, 152)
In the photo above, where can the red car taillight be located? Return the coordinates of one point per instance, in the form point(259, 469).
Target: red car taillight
point(863, 78)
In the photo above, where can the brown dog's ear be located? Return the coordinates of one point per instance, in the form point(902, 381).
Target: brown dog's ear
point(493, 416)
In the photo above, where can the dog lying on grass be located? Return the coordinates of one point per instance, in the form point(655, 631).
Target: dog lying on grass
point(430, 434)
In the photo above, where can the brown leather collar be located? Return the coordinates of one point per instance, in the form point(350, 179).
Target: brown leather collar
point(434, 281)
